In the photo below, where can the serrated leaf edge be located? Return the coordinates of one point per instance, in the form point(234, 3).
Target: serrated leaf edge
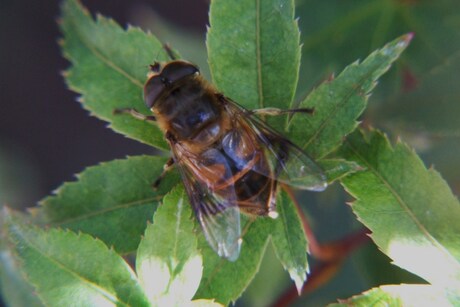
point(403, 205)
point(402, 44)
point(111, 253)
point(80, 176)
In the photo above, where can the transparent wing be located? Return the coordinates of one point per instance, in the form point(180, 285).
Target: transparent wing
point(278, 158)
point(214, 203)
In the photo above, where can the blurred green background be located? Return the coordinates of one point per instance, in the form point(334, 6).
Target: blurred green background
point(45, 137)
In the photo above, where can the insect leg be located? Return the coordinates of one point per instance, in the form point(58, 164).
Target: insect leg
point(134, 113)
point(168, 165)
point(276, 111)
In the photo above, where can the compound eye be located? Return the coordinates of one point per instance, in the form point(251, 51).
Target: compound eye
point(152, 90)
point(178, 70)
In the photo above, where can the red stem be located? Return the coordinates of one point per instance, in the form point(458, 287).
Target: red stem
point(331, 256)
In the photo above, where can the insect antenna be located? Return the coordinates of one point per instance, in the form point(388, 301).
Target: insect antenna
point(170, 52)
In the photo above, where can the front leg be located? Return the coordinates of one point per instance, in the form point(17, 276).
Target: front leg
point(276, 111)
point(166, 168)
point(267, 111)
point(134, 113)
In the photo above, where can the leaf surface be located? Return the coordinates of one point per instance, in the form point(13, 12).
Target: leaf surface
point(410, 210)
point(168, 263)
point(224, 280)
point(67, 268)
point(15, 288)
point(289, 240)
point(398, 295)
point(112, 201)
point(254, 51)
point(109, 68)
point(338, 103)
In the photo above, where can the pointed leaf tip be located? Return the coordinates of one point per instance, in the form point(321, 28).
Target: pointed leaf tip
point(299, 279)
point(264, 70)
point(404, 41)
point(109, 68)
point(409, 36)
point(63, 255)
point(118, 199)
point(289, 241)
point(168, 263)
point(410, 210)
point(340, 102)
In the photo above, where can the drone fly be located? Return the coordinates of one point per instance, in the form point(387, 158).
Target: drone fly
point(230, 161)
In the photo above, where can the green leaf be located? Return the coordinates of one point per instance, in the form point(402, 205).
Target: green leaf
point(375, 268)
point(109, 68)
point(67, 268)
point(254, 52)
point(410, 210)
point(112, 201)
point(168, 263)
point(289, 240)
point(427, 98)
point(15, 289)
point(224, 280)
point(338, 103)
point(335, 33)
point(399, 295)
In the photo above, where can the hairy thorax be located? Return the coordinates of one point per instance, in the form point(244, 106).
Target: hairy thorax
point(192, 114)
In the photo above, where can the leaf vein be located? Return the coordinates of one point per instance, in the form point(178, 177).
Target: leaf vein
point(287, 233)
point(258, 56)
point(107, 294)
point(339, 106)
point(105, 60)
point(178, 223)
point(106, 210)
point(402, 203)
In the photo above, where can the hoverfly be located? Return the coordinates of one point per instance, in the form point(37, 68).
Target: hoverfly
point(229, 160)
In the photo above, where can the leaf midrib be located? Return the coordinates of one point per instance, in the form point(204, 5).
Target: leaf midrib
point(136, 203)
point(286, 232)
point(98, 54)
point(403, 204)
point(174, 259)
point(222, 261)
point(339, 106)
point(112, 297)
point(258, 57)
